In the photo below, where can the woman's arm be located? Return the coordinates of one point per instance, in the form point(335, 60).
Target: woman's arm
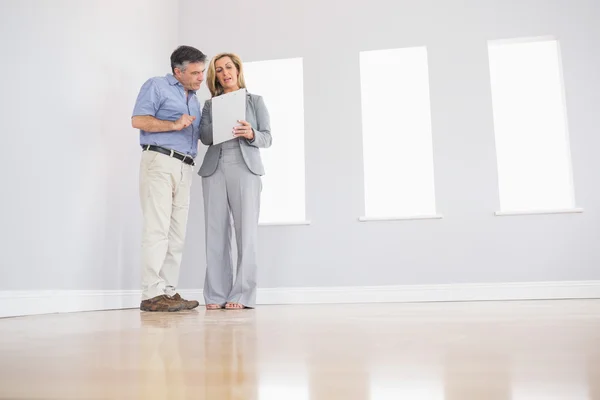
point(262, 133)
point(206, 131)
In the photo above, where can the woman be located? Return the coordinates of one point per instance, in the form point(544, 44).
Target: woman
point(231, 181)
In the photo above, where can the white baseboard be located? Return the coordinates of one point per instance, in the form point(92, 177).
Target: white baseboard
point(18, 303)
point(432, 293)
point(14, 303)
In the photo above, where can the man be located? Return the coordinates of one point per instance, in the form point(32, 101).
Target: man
point(167, 113)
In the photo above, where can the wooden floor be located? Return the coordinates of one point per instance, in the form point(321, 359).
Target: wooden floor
point(433, 351)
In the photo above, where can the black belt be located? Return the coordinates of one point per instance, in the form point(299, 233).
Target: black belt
point(171, 153)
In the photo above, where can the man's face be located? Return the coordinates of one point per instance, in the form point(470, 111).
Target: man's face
point(192, 77)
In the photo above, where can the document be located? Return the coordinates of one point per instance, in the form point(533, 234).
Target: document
point(227, 110)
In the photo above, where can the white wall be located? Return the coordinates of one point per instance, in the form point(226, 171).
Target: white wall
point(469, 244)
point(71, 70)
point(69, 76)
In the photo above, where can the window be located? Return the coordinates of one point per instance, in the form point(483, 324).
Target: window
point(396, 127)
point(281, 84)
point(530, 123)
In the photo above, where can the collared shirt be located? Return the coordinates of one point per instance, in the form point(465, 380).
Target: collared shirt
point(164, 98)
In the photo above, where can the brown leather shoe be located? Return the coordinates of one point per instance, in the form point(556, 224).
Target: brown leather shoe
point(188, 304)
point(162, 303)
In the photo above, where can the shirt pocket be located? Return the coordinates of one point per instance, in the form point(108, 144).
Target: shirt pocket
point(172, 110)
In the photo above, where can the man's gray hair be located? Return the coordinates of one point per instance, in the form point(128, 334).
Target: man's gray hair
point(182, 66)
point(184, 55)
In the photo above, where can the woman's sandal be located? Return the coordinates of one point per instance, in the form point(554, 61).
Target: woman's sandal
point(213, 307)
point(234, 306)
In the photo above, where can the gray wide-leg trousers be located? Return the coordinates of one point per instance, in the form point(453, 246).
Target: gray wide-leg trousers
point(232, 191)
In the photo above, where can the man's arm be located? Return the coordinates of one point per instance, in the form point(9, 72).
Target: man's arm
point(149, 123)
point(146, 106)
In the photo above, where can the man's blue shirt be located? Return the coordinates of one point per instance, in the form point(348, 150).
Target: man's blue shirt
point(164, 98)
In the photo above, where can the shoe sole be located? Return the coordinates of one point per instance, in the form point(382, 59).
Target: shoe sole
point(170, 309)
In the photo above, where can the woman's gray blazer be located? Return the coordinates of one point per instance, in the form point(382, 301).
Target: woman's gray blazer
point(258, 117)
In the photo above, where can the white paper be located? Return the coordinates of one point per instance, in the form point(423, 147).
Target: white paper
point(227, 109)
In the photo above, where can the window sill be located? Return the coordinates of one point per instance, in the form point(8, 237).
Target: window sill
point(406, 218)
point(538, 212)
point(290, 223)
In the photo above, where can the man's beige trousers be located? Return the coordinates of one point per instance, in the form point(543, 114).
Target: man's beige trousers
point(165, 198)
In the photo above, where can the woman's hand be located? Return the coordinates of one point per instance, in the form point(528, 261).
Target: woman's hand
point(245, 130)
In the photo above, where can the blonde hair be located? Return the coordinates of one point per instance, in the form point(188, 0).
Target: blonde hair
point(213, 84)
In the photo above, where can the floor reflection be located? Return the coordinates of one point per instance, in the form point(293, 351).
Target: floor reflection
point(473, 372)
point(284, 381)
point(163, 356)
point(230, 371)
point(393, 382)
point(180, 362)
point(558, 378)
point(414, 382)
point(491, 351)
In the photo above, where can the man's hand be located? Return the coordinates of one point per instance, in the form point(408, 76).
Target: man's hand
point(183, 122)
point(245, 130)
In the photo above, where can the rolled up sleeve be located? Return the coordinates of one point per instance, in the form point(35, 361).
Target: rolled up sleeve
point(148, 100)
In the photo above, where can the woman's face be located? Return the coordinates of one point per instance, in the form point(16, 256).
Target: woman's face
point(227, 74)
